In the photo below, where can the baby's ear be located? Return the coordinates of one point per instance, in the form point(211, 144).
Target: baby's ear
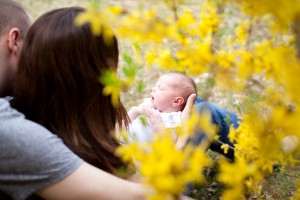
point(178, 101)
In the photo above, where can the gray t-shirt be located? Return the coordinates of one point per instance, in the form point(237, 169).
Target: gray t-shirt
point(31, 158)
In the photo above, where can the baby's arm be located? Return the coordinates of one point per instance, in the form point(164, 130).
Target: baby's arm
point(133, 113)
point(152, 114)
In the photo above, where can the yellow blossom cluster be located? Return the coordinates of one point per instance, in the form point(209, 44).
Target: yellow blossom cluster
point(165, 168)
point(112, 86)
point(97, 19)
point(286, 12)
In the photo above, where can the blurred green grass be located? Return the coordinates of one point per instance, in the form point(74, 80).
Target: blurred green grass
point(38, 7)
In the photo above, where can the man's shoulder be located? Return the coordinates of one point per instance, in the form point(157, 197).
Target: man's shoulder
point(7, 113)
point(4, 105)
point(14, 127)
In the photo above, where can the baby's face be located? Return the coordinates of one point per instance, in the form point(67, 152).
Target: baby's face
point(163, 94)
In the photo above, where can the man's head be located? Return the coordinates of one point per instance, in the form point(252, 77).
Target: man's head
point(172, 91)
point(14, 25)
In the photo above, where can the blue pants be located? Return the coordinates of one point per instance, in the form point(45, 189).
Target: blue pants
point(223, 119)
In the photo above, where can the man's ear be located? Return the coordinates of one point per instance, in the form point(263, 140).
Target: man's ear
point(13, 39)
point(178, 101)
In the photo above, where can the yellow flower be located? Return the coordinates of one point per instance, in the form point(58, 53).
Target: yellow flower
point(164, 167)
point(225, 147)
point(185, 20)
point(151, 57)
point(116, 10)
point(166, 60)
point(112, 87)
point(242, 32)
point(98, 22)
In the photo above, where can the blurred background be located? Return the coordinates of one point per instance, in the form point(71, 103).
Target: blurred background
point(279, 185)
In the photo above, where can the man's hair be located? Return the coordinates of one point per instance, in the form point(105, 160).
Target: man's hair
point(13, 15)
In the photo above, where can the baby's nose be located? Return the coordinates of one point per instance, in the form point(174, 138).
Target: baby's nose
point(153, 89)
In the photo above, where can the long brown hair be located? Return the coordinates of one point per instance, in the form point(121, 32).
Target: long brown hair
point(57, 86)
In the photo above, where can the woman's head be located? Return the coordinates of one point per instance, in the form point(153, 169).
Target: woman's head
point(64, 52)
point(57, 85)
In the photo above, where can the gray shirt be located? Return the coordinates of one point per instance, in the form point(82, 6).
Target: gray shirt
point(31, 158)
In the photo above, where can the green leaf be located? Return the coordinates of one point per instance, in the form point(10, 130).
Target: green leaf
point(127, 59)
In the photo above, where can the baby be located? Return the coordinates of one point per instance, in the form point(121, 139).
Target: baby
point(163, 109)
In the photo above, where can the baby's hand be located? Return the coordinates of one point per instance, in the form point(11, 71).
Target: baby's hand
point(155, 120)
point(143, 108)
point(154, 115)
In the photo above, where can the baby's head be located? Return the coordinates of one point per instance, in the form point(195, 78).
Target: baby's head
point(171, 92)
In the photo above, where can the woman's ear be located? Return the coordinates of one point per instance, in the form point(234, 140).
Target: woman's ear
point(178, 101)
point(13, 40)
